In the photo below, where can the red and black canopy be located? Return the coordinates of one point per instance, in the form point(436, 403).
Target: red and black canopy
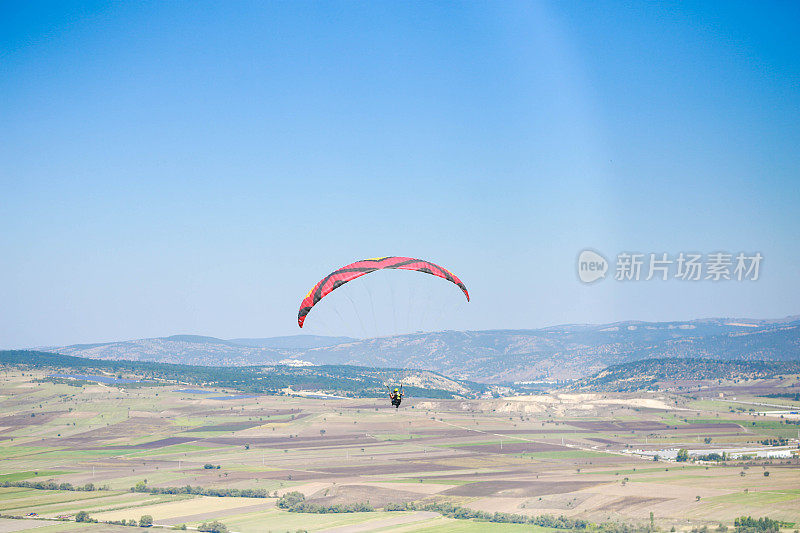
point(337, 278)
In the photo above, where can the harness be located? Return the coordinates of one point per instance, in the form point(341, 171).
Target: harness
point(396, 397)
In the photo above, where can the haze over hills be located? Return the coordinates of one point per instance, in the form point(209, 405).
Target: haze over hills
point(559, 352)
point(656, 373)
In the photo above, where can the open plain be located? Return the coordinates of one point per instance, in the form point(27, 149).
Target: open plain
point(602, 457)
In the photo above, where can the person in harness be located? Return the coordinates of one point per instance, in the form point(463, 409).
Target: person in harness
point(396, 396)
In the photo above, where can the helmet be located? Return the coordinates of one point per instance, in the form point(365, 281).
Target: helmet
point(396, 390)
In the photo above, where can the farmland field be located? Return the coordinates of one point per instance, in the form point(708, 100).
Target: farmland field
point(581, 456)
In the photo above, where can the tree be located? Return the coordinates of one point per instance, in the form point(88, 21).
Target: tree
point(146, 521)
point(683, 455)
point(290, 499)
point(82, 516)
point(213, 527)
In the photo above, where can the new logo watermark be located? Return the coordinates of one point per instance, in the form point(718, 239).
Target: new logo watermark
point(683, 266)
point(591, 266)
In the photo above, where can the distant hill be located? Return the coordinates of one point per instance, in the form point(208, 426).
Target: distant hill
point(647, 373)
point(200, 350)
point(570, 351)
point(293, 342)
point(341, 380)
point(559, 352)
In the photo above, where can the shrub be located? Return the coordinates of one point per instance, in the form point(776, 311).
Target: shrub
point(291, 499)
point(748, 524)
point(202, 491)
point(213, 527)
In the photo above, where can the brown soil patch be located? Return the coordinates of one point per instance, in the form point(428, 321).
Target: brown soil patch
point(503, 474)
point(375, 496)
point(24, 420)
point(90, 440)
point(300, 442)
point(725, 425)
point(160, 443)
point(396, 468)
point(633, 425)
point(602, 441)
point(518, 488)
point(232, 426)
point(625, 504)
point(514, 447)
point(293, 475)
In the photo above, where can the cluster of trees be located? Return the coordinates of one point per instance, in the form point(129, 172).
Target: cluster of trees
point(780, 441)
point(213, 527)
point(209, 466)
point(294, 502)
point(713, 457)
point(790, 395)
point(51, 485)
point(464, 513)
point(144, 521)
point(722, 528)
point(202, 491)
point(83, 516)
point(748, 524)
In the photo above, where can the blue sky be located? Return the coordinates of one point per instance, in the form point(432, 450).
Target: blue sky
point(191, 167)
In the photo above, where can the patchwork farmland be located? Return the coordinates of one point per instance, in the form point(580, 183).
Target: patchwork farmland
point(119, 453)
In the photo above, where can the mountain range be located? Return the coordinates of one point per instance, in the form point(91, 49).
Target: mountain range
point(490, 356)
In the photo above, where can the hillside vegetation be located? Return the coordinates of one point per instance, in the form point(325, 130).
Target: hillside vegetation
point(646, 374)
point(340, 380)
point(492, 356)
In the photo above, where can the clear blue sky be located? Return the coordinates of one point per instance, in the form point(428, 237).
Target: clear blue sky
point(191, 167)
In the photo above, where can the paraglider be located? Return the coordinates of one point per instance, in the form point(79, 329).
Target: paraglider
point(339, 277)
point(396, 396)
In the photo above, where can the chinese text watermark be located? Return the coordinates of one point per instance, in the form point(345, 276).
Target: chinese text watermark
point(684, 266)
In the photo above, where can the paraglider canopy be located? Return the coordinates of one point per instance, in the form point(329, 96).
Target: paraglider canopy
point(339, 277)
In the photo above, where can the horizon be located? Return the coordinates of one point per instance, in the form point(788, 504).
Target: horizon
point(98, 342)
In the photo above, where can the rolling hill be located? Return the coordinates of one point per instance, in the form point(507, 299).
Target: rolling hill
point(493, 356)
point(647, 373)
point(344, 380)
